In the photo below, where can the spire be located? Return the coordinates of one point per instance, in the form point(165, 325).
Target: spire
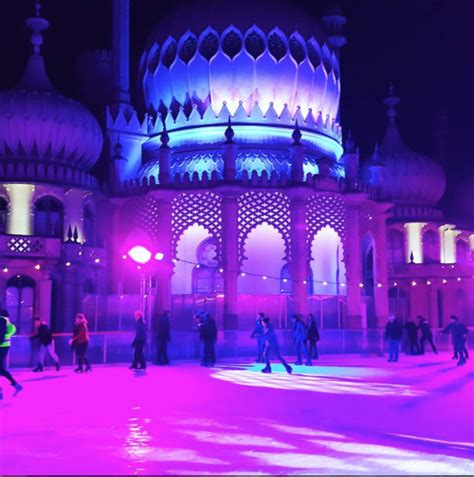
point(35, 77)
point(296, 135)
point(350, 144)
point(392, 141)
point(229, 133)
point(164, 137)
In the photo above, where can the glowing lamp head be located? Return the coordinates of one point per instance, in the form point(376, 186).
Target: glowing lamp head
point(159, 256)
point(140, 254)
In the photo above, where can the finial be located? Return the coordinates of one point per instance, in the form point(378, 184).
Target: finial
point(296, 135)
point(350, 144)
point(229, 132)
point(164, 138)
point(37, 24)
point(391, 101)
point(375, 155)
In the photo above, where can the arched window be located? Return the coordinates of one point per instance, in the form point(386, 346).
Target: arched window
point(89, 226)
point(20, 295)
point(206, 276)
point(49, 217)
point(396, 247)
point(431, 248)
point(3, 215)
point(462, 251)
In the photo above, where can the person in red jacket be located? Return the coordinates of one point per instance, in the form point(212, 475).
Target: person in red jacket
point(79, 343)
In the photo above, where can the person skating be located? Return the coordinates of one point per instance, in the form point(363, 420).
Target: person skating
point(258, 334)
point(393, 335)
point(46, 344)
point(139, 342)
point(208, 336)
point(7, 330)
point(163, 337)
point(426, 335)
point(459, 333)
point(299, 339)
point(271, 345)
point(313, 336)
point(80, 342)
point(412, 334)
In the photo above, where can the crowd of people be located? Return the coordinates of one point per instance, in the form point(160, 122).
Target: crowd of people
point(305, 336)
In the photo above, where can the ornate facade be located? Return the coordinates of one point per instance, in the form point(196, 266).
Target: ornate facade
point(235, 179)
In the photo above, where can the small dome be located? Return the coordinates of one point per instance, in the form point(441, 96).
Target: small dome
point(406, 177)
point(38, 123)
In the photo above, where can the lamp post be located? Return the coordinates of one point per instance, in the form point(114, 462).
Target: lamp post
point(144, 259)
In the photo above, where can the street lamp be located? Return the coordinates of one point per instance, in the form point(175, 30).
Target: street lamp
point(142, 256)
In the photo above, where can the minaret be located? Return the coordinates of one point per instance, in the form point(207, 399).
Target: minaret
point(121, 55)
point(333, 22)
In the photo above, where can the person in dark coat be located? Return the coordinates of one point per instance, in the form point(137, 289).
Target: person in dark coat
point(271, 345)
point(299, 339)
point(412, 334)
point(313, 336)
point(258, 334)
point(426, 335)
point(393, 335)
point(139, 342)
point(80, 342)
point(163, 337)
point(459, 333)
point(46, 344)
point(208, 336)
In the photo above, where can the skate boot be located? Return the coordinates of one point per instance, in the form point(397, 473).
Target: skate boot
point(18, 388)
point(267, 370)
point(88, 369)
point(78, 370)
point(288, 368)
point(38, 369)
point(58, 366)
point(308, 363)
point(298, 363)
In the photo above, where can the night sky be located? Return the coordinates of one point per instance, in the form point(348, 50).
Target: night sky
point(425, 47)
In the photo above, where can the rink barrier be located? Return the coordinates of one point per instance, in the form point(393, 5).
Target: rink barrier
point(115, 346)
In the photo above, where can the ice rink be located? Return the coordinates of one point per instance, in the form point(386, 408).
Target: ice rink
point(346, 415)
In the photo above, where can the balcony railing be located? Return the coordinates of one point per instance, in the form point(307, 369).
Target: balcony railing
point(29, 246)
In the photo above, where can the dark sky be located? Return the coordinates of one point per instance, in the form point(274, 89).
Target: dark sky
point(425, 47)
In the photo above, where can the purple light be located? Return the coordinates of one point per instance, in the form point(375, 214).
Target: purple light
point(159, 256)
point(139, 254)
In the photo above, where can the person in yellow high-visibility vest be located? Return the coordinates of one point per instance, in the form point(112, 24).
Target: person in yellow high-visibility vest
point(7, 330)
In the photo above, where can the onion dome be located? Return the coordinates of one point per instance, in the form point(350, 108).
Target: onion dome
point(39, 125)
point(402, 175)
point(265, 61)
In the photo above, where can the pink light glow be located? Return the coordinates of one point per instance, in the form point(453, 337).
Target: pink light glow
point(139, 254)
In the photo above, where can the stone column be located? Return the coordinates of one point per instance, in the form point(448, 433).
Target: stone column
point(164, 267)
point(45, 287)
point(380, 269)
point(299, 262)
point(353, 268)
point(121, 53)
point(230, 258)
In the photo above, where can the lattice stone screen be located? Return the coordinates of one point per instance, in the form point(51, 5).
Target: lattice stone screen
point(142, 213)
point(256, 208)
point(201, 209)
point(323, 210)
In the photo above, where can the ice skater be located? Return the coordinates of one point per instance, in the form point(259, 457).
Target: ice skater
point(258, 334)
point(313, 336)
point(208, 336)
point(299, 339)
point(412, 334)
point(139, 342)
point(79, 343)
point(393, 335)
point(7, 330)
point(426, 335)
point(271, 344)
point(163, 337)
point(46, 344)
point(459, 333)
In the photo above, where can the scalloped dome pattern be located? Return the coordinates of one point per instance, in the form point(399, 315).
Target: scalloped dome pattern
point(46, 125)
point(248, 66)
